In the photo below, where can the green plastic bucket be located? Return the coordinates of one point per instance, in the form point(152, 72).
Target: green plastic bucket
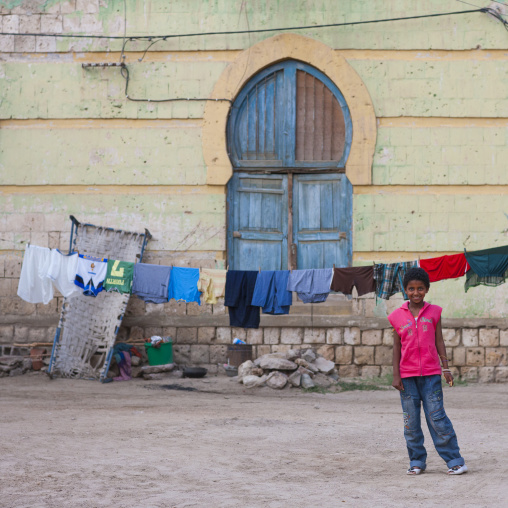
point(159, 355)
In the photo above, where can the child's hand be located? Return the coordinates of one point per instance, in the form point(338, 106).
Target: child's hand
point(397, 383)
point(449, 378)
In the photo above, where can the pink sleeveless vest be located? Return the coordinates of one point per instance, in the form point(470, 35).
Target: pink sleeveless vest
point(419, 355)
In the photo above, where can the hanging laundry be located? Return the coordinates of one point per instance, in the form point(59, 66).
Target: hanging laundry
point(489, 262)
point(90, 274)
point(151, 282)
point(119, 276)
point(212, 284)
point(270, 292)
point(312, 286)
point(445, 267)
point(473, 280)
point(239, 291)
point(361, 277)
point(183, 284)
point(390, 277)
point(34, 286)
point(62, 271)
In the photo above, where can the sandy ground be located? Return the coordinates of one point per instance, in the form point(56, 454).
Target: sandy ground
point(66, 443)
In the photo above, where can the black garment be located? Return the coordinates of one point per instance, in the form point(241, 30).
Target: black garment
point(489, 262)
point(239, 291)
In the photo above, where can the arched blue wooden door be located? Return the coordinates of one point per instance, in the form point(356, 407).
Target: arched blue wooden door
point(289, 201)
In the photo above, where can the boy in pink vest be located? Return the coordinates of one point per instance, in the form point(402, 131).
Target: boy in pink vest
point(417, 347)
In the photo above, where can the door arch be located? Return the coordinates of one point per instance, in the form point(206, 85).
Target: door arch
point(289, 202)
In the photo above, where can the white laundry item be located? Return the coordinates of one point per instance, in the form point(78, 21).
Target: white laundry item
point(90, 274)
point(34, 286)
point(62, 271)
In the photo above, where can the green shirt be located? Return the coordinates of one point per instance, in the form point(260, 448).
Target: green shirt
point(119, 276)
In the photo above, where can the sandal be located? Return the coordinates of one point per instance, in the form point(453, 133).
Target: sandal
point(458, 469)
point(414, 470)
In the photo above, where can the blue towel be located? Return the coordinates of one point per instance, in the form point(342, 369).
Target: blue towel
point(183, 284)
point(150, 282)
point(312, 286)
point(270, 292)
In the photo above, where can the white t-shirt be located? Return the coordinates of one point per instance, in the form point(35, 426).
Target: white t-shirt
point(90, 274)
point(34, 286)
point(62, 271)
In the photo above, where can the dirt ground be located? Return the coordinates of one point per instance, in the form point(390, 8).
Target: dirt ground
point(69, 443)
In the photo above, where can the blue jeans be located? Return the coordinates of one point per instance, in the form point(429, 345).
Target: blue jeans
point(427, 389)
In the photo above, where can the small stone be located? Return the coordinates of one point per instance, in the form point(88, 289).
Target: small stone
point(302, 362)
point(6, 368)
point(135, 361)
point(334, 375)
point(11, 360)
point(309, 355)
point(277, 380)
point(245, 369)
point(155, 376)
point(18, 371)
point(156, 369)
point(257, 371)
point(312, 367)
point(274, 363)
point(322, 381)
point(293, 354)
point(325, 366)
point(136, 372)
point(307, 382)
point(295, 378)
point(253, 381)
point(303, 370)
point(27, 364)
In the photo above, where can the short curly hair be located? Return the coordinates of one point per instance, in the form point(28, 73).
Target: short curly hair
point(417, 274)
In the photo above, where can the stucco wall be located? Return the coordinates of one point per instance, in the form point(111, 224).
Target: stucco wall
point(70, 142)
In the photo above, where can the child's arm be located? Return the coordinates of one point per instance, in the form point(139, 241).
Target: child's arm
point(397, 381)
point(441, 351)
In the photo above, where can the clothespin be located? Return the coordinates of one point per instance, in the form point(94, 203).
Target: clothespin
point(334, 266)
point(259, 269)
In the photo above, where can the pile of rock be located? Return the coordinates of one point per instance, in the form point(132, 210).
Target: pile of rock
point(14, 365)
point(297, 367)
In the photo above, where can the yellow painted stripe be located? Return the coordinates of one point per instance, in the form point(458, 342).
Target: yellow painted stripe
point(230, 55)
point(95, 123)
point(430, 189)
point(394, 256)
point(113, 189)
point(436, 122)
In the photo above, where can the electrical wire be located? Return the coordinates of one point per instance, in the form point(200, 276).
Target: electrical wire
point(238, 32)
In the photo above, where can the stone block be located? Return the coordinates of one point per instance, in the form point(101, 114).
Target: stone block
point(348, 371)
point(451, 337)
point(40, 334)
point(13, 267)
point(194, 309)
point(486, 374)
point(260, 351)
point(458, 357)
point(151, 331)
point(291, 335)
point(475, 356)
point(280, 348)
point(51, 23)
point(255, 336)
point(364, 355)
point(386, 371)
point(223, 335)
point(370, 371)
point(238, 333)
point(372, 337)
point(51, 309)
point(6, 333)
point(24, 44)
point(496, 357)
point(352, 336)
point(135, 307)
point(383, 355)
point(21, 333)
point(212, 368)
point(136, 334)
point(344, 355)
point(489, 337)
point(314, 335)
point(327, 351)
point(187, 335)
point(200, 354)
point(271, 335)
point(182, 354)
point(469, 373)
point(388, 337)
point(470, 337)
point(218, 354)
point(503, 338)
point(334, 336)
point(174, 308)
point(218, 309)
point(501, 374)
point(206, 334)
point(169, 331)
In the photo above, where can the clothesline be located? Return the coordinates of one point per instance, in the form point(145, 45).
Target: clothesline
point(245, 292)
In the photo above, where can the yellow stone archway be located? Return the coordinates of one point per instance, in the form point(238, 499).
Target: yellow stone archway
point(268, 52)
